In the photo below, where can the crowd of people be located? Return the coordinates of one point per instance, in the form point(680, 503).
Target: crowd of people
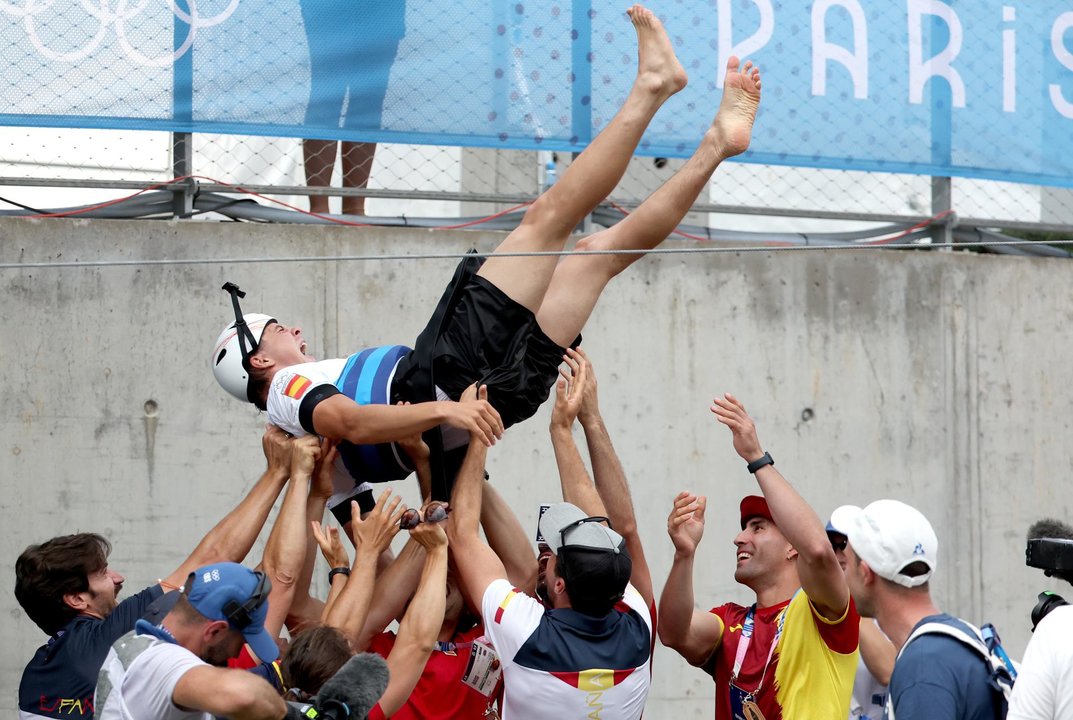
point(842, 626)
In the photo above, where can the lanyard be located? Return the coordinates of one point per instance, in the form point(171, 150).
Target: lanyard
point(746, 639)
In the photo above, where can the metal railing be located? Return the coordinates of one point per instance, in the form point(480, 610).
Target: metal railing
point(46, 169)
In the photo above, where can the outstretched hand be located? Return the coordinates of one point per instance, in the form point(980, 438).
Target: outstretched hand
point(571, 389)
point(331, 547)
point(729, 411)
point(429, 534)
point(375, 532)
point(474, 413)
point(685, 524)
point(590, 404)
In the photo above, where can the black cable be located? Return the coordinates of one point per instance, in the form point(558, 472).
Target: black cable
point(24, 207)
point(236, 201)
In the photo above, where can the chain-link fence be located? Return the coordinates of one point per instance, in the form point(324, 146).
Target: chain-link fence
point(488, 89)
point(52, 168)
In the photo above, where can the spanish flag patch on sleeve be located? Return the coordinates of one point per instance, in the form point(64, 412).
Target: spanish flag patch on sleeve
point(297, 387)
point(503, 605)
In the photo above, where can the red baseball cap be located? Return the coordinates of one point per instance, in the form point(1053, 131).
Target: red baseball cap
point(754, 506)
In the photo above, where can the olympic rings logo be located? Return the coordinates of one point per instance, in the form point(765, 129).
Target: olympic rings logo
point(118, 18)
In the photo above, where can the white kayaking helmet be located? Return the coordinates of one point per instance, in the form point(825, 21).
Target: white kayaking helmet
point(237, 342)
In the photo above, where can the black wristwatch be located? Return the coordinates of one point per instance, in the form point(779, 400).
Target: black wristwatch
point(337, 571)
point(762, 461)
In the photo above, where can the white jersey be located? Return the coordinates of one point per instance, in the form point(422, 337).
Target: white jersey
point(563, 664)
point(1044, 687)
point(366, 378)
point(138, 679)
point(290, 386)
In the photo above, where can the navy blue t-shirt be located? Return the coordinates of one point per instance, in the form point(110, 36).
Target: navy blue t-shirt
point(938, 677)
point(60, 679)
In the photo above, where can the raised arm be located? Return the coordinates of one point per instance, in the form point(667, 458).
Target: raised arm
point(341, 418)
point(397, 582)
point(335, 554)
point(821, 577)
point(610, 478)
point(421, 625)
point(232, 537)
point(414, 446)
point(478, 565)
point(373, 535)
point(877, 651)
point(693, 633)
point(285, 551)
point(508, 539)
point(573, 477)
point(305, 609)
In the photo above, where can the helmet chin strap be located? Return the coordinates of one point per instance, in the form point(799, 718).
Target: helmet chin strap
point(247, 345)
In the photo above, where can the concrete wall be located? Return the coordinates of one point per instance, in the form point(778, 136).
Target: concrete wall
point(939, 378)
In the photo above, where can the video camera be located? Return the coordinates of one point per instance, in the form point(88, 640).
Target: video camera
point(1050, 548)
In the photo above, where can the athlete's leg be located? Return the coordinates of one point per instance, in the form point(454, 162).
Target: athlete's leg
point(579, 279)
point(593, 175)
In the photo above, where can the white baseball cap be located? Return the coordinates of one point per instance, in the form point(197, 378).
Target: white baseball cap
point(890, 535)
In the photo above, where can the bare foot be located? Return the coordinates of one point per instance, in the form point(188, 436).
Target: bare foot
point(658, 70)
point(733, 124)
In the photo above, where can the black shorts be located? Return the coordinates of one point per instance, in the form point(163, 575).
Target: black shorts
point(478, 333)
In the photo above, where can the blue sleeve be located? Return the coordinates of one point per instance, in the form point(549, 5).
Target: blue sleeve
point(122, 619)
point(271, 673)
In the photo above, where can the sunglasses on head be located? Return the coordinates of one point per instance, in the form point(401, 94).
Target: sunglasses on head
point(434, 512)
point(579, 523)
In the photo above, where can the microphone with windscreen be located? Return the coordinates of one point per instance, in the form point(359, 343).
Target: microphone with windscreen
point(351, 693)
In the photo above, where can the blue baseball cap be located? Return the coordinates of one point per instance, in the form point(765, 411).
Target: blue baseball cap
point(228, 591)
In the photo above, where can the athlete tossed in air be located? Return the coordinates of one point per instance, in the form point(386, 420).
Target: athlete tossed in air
point(503, 322)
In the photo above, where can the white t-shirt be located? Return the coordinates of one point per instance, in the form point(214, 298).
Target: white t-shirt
point(869, 695)
point(138, 679)
point(1044, 687)
point(562, 664)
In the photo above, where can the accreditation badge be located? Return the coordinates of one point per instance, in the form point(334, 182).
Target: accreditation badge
point(743, 705)
point(484, 669)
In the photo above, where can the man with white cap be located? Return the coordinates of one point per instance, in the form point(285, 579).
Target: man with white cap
point(869, 697)
point(589, 653)
point(891, 555)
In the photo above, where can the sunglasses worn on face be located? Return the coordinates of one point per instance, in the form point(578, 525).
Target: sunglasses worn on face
point(434, 512)
point(839, 544)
